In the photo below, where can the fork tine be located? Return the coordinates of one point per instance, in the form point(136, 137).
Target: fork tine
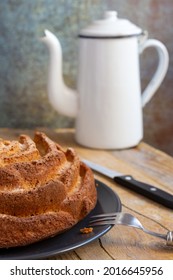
point(102, 219)
point(113, 214)
point(102, 223)
point(105, 219)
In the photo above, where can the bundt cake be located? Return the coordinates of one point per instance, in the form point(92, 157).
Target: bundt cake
point(44, 190)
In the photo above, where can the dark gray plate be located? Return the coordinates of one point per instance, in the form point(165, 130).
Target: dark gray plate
point(108, 201)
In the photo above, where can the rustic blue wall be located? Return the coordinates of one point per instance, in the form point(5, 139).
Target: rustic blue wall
point(24, 59)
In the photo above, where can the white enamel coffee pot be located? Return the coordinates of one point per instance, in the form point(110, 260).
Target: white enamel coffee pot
point(108, 102)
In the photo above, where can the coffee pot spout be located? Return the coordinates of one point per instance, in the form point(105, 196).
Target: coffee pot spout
point(61, 97)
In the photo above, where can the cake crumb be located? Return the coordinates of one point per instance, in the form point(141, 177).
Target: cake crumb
point(86, 230)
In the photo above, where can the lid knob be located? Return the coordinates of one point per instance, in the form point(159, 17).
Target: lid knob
point(111, 15)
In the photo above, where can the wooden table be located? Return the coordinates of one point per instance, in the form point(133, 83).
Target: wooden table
point(144, 163)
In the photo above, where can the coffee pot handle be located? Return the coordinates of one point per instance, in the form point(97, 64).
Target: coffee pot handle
point(160, 72)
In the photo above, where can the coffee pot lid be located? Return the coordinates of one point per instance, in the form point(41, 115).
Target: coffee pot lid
point(111, 26)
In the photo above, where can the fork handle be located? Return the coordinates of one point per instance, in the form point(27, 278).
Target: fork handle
point(169, 238)
point(147, 190)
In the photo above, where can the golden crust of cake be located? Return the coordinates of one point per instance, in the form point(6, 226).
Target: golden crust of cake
point(44, 190)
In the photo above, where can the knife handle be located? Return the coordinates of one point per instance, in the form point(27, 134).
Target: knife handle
point(147, 190)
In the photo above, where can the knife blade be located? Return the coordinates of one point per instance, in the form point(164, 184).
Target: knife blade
point(152, 192)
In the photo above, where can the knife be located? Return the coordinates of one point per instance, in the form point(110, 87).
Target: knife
point(129, 182)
